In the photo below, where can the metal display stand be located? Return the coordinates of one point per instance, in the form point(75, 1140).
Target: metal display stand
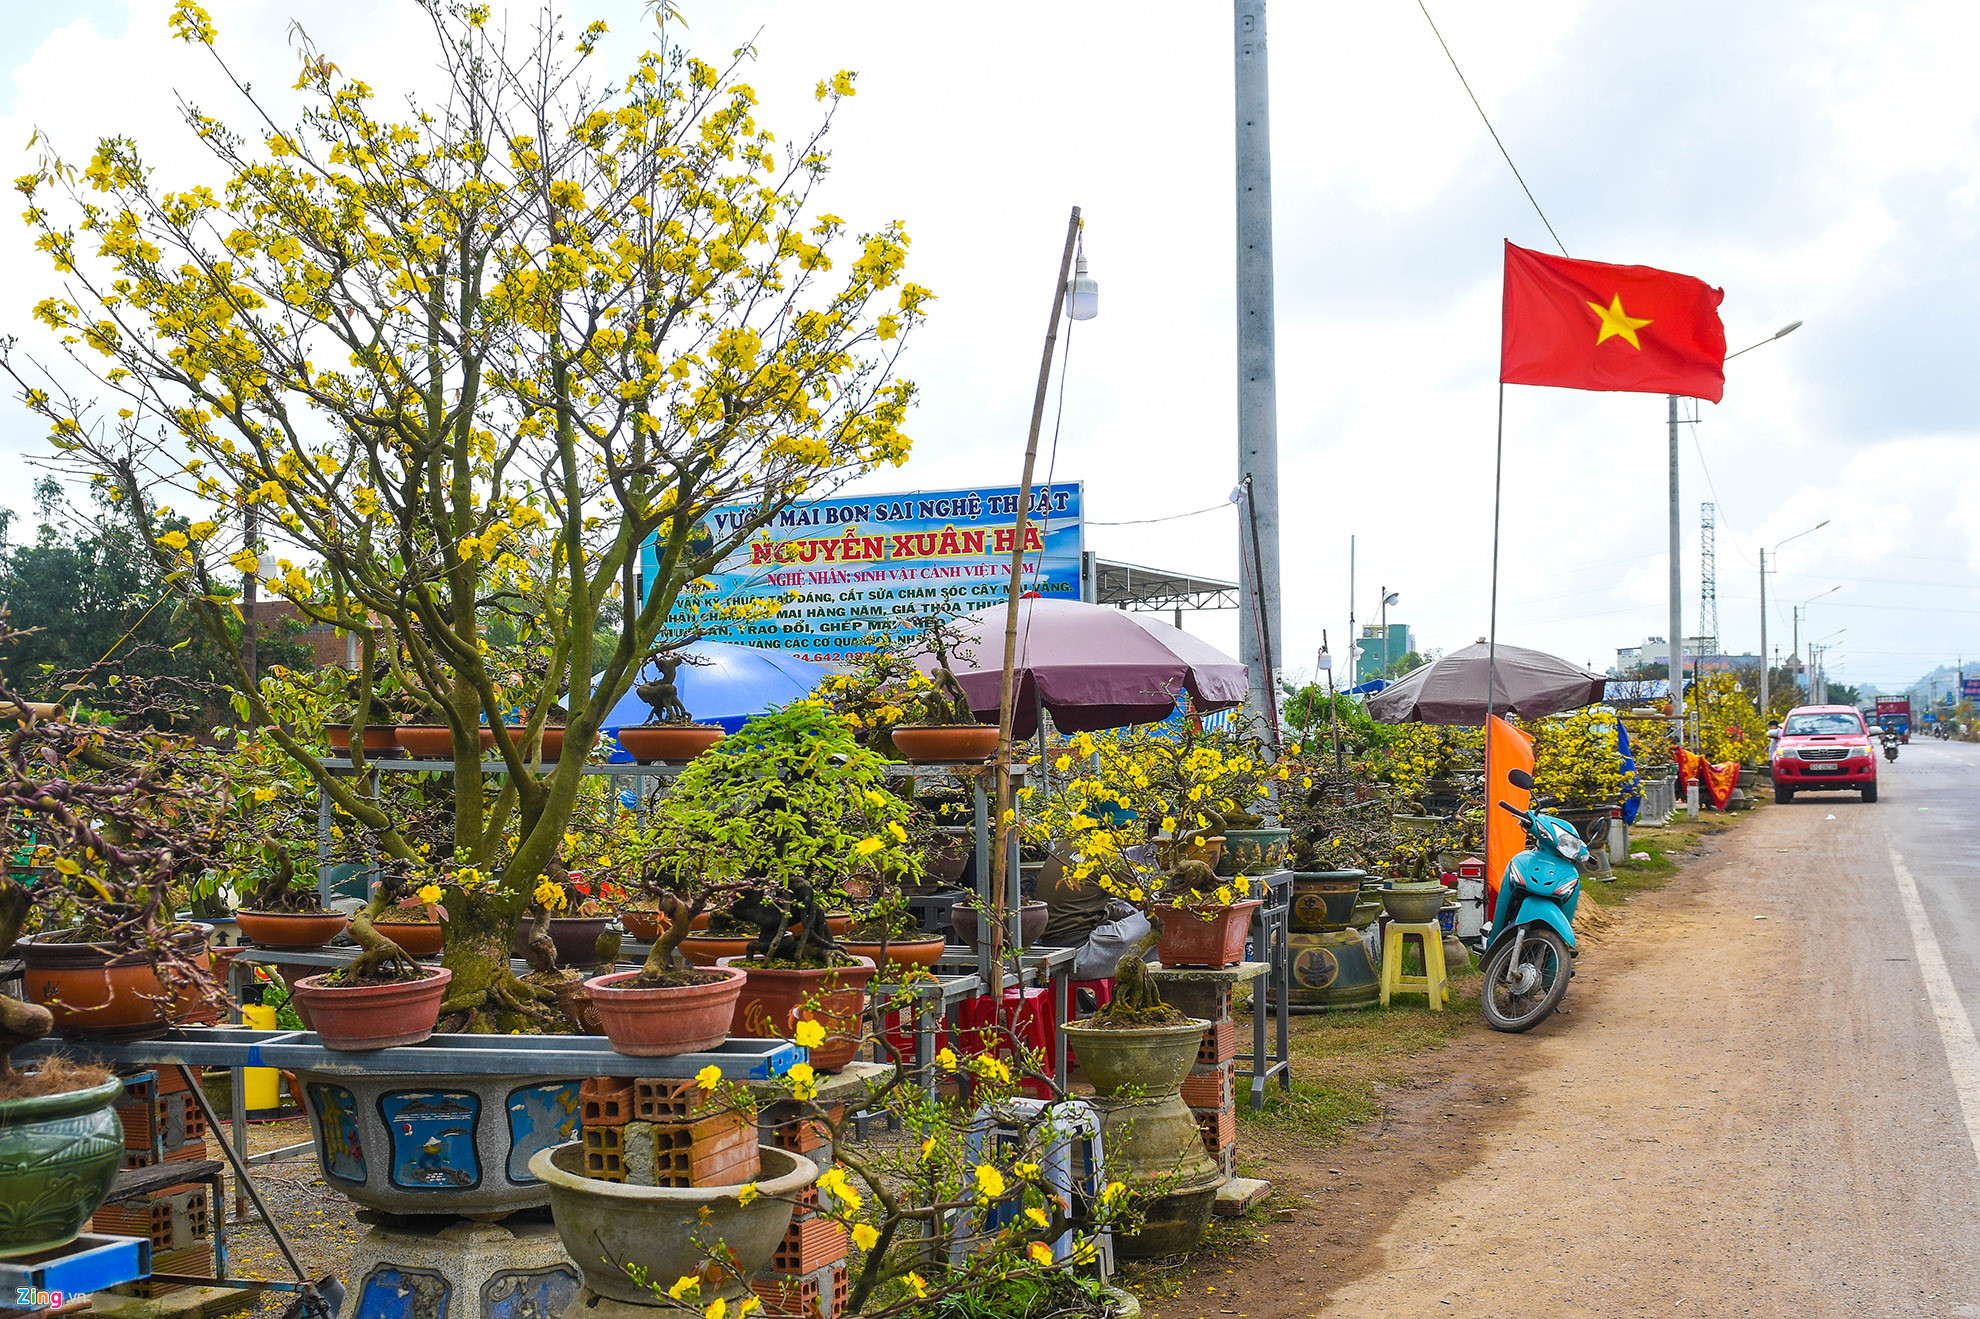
point(1270, 926)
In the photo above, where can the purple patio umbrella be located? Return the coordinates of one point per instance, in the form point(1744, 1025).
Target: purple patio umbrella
point(1451, 690)
point(1091, 666)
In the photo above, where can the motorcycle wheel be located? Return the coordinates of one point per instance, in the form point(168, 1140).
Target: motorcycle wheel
point(1543, 958)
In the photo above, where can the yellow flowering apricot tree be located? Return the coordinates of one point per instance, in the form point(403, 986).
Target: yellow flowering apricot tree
point(404, 368)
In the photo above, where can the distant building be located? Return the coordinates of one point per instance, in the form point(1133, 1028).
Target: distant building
point(282, 621)
point(1654, 650)
point(1370, 660)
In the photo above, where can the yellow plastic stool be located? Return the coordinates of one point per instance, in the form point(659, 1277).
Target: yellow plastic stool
point(1434, 984)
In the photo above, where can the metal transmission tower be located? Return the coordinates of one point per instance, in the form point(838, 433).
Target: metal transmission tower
point(1708, 576)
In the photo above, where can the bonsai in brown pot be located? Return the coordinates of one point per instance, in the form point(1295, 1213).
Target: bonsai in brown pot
point(276, 912)
point(672, 733)
point(903, 698)
point(382, 997)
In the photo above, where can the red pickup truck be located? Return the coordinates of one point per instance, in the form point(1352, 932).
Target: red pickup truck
point(1822, 748)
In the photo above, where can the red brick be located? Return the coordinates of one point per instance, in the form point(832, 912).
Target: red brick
point(605, 1101)
point(605, 1153)
point(657, 1099)
point(1219, 1130)
point(1209, 1087)
point(174, 1218)
point(810, 1245)
point(195, 1261)
point(820, 1295)
point(191, 1150)
point(719, 1150)
point(1219, 1045)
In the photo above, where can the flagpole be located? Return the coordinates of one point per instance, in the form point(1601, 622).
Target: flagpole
point(1492, 638)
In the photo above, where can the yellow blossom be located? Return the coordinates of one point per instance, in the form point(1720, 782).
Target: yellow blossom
point(1041, 1254)
point(429, 893)
point(989, 1182)
point(708, 1078)
point(865, 1236)
point(916, 1284)
point(804, 1081)
point(810, 1034)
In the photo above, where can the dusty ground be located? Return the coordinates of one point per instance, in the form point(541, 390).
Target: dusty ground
point(1747, 1112)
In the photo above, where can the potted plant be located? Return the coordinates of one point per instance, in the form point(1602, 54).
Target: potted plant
point(671, 734)
point(276, 912)
point(382, 997)
point(573, 917)
point(903, 697)
point(888, 935)
point(111, 822)
point(778, 815)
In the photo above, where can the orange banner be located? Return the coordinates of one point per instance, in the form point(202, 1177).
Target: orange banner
point(1506, 749)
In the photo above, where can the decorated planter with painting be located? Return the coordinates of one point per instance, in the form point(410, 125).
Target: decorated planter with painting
point(58, 1155)
point(412, 1144)
point(775, 999)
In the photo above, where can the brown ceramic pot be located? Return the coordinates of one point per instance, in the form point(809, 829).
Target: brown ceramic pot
point(709, 949)
point(281, 929)
point(947, 742)
point(89, 997)
point(576, 938)
point(1189, 939)
point(922, 950)
point(774, 1000)
point(357, 1017)
point(418, 938)
point(426, 741)
point(339, 736)
point(1032, 920)
point(658, 1022)
point(645, 926)
point(673, 742)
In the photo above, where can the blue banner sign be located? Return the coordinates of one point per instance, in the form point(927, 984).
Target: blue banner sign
point(846, 566)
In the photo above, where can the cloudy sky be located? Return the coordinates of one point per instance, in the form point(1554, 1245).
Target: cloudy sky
point(1820, 162)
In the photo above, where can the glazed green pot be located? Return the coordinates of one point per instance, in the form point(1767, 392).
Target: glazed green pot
point(1253, 851)
point(58, 1156)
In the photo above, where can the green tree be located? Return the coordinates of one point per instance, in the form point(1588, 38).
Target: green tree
point(483, 351)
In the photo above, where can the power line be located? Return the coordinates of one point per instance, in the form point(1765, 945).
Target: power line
point(1172, 517)
point(1488, 127)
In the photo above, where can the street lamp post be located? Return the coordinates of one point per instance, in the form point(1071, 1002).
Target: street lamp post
point(1801, 612)
point(1388, 598)
point(1763, 608)
point(1677, 584)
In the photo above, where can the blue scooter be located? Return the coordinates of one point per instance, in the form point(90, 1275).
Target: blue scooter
point(1530, 955)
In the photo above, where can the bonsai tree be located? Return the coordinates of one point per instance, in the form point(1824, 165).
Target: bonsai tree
point(109, 822)
point(773, 819)
point(613, 309)
point(907, 679)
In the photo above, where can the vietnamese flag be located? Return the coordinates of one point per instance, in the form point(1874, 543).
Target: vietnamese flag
point(1591, 325)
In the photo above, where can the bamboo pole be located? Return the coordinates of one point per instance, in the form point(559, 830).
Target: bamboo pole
point(1006, 690)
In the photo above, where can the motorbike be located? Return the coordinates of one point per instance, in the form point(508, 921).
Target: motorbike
point(1529, 957)
point(1890, 746)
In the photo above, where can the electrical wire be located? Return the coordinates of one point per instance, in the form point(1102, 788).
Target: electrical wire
point(1172, 517)
point(1488, 127)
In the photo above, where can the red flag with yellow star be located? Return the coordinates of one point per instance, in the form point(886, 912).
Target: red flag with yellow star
point(1590, 325)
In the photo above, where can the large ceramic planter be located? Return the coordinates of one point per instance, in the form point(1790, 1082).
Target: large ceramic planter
point(58, 1156)
point(674, 743)
point(947, 742)
point(1149, 1133)
point(1169, 853)
point(89, 997)
point(576, 938)
point(1414, 904)
point(909, 951)
point(774, 1000)
point(668, 1019)
point(353, 1018)
point(1213, 937)
point(1254, 851)
point(967, 921)
point(281, 929)
point(423, 1144)
point(669, 1232)
point(418, 938)
point(1323, 899)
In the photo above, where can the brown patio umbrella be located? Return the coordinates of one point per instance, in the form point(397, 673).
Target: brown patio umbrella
point(1451, 690)
point(1092, 667)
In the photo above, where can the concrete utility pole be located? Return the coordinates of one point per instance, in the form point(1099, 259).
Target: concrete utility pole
point(1677, 586)
point(1258, 400)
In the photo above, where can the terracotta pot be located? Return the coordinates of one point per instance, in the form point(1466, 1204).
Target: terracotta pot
point(426, 741)
point(1032, 920)
point(645, 926)
point(1188, 939)
point(89, 997)
point(553, 741)
point(381, 739)
point(58, 1156)
point(357, 1017)
point(659, 1022)
point(948, 858)
point(709, 949)
point(922, 950)
point(838, 922)
point(947, 742)
point(339, 736)
point(418, 938)
point(672, 742)
point(576, 938)
point(774, 1000)
point(279, 929)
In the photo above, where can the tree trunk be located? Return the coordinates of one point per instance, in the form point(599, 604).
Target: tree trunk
point(485, 991)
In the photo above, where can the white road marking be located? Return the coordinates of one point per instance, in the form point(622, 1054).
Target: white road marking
point(1955, 1027)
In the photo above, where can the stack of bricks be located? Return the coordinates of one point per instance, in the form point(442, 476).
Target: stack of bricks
point(807, 1277)
point(651, 1131)
point(162, 1124)
point(1210, 1089)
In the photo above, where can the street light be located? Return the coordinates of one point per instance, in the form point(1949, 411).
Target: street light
point(1801, 611)
point(1677, 583)
point(1388, 598)
point(1821, 666)
point(1085, 300)
point(1763, 593)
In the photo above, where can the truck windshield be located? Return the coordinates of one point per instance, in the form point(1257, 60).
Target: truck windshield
point(1821, 725)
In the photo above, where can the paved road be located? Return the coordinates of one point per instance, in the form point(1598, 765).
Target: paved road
point(1755, 1107)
